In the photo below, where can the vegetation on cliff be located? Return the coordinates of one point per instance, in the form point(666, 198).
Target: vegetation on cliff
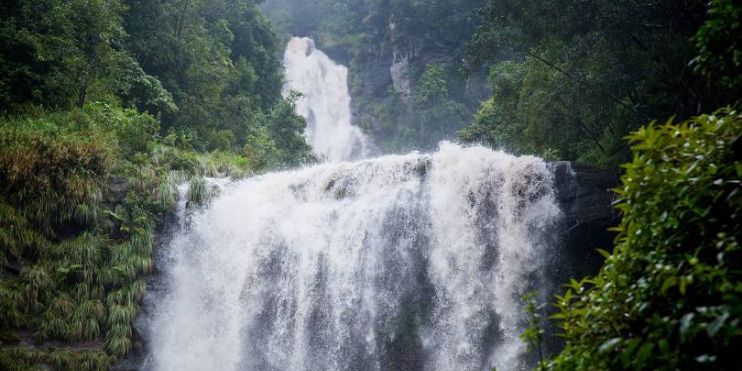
point(581, 76)
point(669, 297)
point(83, 192)
point(106, 106)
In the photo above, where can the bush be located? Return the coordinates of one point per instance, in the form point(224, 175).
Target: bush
point(73, 257)
point(135, 131)
point(670, 295)
point(54, 166)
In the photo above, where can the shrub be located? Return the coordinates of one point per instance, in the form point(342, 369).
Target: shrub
point(82, 194)
point(72, 259)
point(670, 295)
point(54, 169)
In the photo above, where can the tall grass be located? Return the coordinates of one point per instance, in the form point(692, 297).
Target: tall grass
point(20, 359)
point(79, 259)
point(74, 249)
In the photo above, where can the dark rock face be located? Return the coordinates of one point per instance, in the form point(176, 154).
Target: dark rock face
point(117, 189)
point(374, 80)
point(585, 197)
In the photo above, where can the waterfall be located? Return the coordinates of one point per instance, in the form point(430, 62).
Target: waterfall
point(324, 101)
point(401, 262)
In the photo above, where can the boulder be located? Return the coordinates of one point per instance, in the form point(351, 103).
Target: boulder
point(117, 188)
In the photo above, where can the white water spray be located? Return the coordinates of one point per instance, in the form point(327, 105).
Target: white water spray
point(413, 262)
point(325, 102)
point(401, 262)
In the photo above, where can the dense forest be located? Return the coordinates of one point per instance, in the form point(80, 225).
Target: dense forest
point(584, 78)
point(107, 105)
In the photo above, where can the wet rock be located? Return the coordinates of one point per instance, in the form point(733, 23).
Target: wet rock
point(585, 197)
point(117, 188)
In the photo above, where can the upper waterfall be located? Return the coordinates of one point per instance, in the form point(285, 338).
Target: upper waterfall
point(324, 102)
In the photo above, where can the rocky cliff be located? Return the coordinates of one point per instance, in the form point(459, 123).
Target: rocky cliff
point(585, 197)
point(586, 200)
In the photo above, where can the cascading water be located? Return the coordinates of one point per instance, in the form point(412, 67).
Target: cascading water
point(413, 262)
point(324, 102)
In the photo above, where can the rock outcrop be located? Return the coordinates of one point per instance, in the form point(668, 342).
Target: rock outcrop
point(585, 197)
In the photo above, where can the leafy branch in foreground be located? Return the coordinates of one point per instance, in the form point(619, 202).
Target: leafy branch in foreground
point(669, 297)
point(533, 335)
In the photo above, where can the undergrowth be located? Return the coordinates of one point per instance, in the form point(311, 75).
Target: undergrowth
point(83, 193)
point(669, 297)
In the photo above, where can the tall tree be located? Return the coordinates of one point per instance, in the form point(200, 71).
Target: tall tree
point(220, 60)
point(593, 72)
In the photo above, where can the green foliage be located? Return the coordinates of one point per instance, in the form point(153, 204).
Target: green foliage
point(85, 177)
point(719, 41)
point(670, 295)
point(437, 114)
point(208, 70)
point(573, 78)
point(74, 246)
point(53, 170)
point(19, 359)
point(496, 122)
point(70, 248)
point(220, 60)
point(533, 335)
point(286, 129)
point(62, 53)
point(197, 191)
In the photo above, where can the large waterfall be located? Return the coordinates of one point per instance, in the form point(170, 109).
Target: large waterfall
point(403, 262)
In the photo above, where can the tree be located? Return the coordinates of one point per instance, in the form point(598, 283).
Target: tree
point(594, 71)
point(220, 61)
point(719, 41)
point(437, 114)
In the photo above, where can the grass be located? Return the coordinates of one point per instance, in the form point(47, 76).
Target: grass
point(19, 359)
point(74, 249)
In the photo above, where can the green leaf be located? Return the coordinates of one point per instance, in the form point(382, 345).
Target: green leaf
point(714, 327)
point(686, 322)
point(644, 353)
point(608, 345)
point(668, 283)
point(604, 253)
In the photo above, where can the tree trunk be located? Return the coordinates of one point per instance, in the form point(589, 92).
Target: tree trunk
point(82, 92)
